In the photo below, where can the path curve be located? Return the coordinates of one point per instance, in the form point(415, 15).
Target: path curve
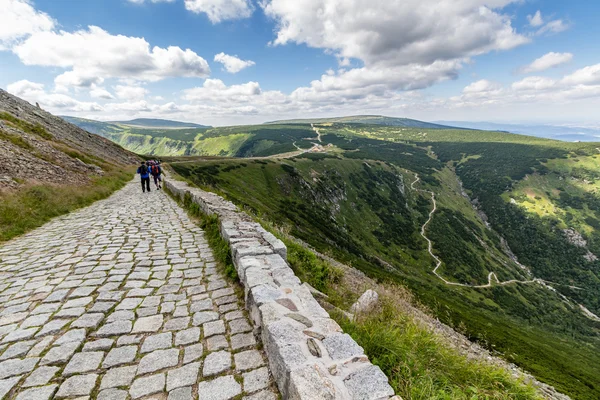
point(546, 284)
point(438, 261)
point(317, 132)
point(123, 299)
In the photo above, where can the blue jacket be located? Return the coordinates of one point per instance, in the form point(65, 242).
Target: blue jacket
point(146, 175)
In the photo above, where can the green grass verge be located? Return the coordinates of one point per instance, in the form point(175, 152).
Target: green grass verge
point(32, 206)
point(417, 362)
point(210, 224)
point(421, 366)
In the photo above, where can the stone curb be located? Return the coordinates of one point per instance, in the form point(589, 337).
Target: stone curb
point(309, 355)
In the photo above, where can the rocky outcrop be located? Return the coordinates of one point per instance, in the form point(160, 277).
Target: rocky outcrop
point(64, 132)
point(309, 355)
point(36, 146)
point(576, 239)
point(365, 303)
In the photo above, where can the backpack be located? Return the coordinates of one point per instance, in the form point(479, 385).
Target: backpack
point(143, 170)
point(155, 170)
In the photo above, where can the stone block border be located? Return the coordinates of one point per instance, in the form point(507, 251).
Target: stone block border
point(309, 355)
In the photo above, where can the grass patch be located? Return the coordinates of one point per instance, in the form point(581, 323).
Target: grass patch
point(34, 129)
point(88, 159)
point(421, 366)
point(418, 363)
point(211, 226)
point(309, 268)
point(32, 206)
point(16, 140)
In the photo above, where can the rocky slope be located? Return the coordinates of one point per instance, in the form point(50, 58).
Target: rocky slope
point(36, 146)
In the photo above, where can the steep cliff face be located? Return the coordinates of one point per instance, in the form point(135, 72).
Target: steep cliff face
point(40, 147)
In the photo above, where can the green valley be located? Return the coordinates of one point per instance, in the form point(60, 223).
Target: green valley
point(239, 141)
point(521, 208)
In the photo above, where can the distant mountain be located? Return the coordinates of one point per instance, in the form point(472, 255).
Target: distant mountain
point(367, 120)
point(151, 123)
point(567, 133)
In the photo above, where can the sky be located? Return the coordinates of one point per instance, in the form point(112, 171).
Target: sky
point(232, 62)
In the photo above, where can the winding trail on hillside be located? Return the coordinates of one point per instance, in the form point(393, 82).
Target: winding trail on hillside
point(317, 132)
point(492, 275)
point(438, 261)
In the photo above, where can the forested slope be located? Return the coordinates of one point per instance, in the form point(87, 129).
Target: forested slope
point(492, 190)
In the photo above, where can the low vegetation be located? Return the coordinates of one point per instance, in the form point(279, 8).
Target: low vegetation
point(34, 129)
point(239, 141)
point(16, 140)
point(357, 206)
point(32, 205)
point(420, 364)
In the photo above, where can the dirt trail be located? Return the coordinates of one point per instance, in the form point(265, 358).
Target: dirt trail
point(438, 261)
point(317, 132)
point(491, 275)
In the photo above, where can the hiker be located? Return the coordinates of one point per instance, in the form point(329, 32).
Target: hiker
point(144, 171)
point(156, 172)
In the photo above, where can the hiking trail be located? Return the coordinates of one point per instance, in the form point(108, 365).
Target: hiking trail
point(123, 299)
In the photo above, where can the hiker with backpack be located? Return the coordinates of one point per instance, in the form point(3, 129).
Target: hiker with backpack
point(156, 172)
point(144, 171)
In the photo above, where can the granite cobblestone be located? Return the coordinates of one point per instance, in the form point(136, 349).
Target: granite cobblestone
point(121, 300)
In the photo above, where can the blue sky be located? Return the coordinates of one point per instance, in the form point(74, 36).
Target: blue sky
point(226, 62)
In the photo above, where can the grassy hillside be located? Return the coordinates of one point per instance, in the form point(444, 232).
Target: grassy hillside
point(49, 167)
point(357, 205)
point(239, 141)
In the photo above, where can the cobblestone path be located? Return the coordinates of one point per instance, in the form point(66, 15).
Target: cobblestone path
point(122, 300)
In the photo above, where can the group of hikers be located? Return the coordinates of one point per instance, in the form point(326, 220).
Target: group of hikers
point(147, 169)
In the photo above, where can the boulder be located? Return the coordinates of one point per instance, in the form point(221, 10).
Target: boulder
point(365, 303)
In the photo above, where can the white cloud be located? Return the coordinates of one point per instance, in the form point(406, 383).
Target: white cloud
point(581, 84)
point(130, 92)
point(543, 27)
point(221, 10)
point(359, 83)
point(74, 79)
point(482, 86)
point(215, 90)
point(129, 107)
point(395, 32)
point(549, 60)
point(101, 93)
point(35, 92)
point(536, 19)
point(233, 64)
point(401, 44)
point(589, 75)
point(25, 88)
point(94, 54)
point(535, 83)
point(18, 19)
point(153, 1)
point(555, 26)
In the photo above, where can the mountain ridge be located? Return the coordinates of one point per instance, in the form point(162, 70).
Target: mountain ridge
point(367, 120)
point(151, 123)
